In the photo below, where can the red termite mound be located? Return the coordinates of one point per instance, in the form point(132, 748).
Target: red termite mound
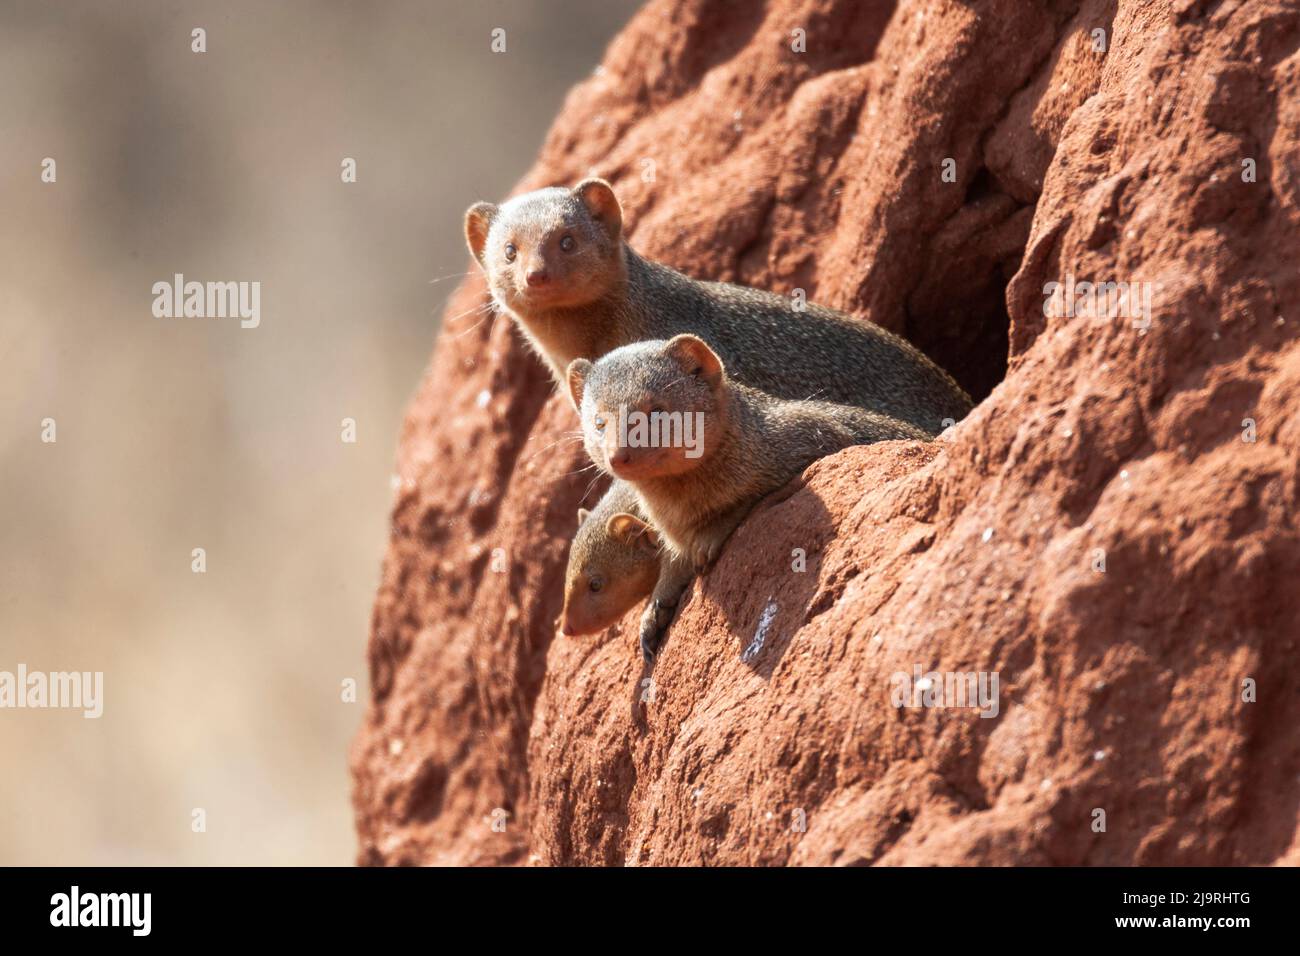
point(1111, 532)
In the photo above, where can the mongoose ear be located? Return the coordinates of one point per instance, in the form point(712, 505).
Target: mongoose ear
point(583, 514)
point(629, 529)
point(696, 357)
point(650, 539)
point(597, 196)
point(478, 220)
point(577, 374)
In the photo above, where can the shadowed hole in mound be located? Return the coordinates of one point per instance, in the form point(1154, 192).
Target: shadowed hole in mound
point(424, 795)
point(957, 313)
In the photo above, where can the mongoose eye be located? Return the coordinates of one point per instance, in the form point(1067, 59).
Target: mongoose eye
point(599, 422)
point(595, 584)
point(567, 244)
point(511, 252)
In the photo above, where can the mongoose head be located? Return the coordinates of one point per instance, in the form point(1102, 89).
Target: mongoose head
point(613, 564)
point(651, 409)
point(551, 248)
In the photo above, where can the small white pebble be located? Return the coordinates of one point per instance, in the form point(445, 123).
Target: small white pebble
point(483, 398)
point(988, 533)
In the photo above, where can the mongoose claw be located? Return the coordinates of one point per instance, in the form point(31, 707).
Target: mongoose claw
point(650, 637)
point(654, 623)
point(703, 556)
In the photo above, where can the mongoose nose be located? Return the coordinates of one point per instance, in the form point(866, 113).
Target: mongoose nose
point(538, 277)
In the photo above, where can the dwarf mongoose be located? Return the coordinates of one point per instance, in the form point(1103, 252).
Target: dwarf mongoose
point(556, 260)
point(700, 448)
point(613, 563)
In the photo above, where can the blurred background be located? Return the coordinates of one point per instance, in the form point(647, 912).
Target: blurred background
point(223, 690)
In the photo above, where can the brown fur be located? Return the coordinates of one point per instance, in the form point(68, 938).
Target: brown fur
point(750, 443)
point(618, 552)
point(598, 294)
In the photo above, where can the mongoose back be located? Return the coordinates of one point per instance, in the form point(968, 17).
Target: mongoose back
point(556, 260)
point(700, 448)
point(613, 563)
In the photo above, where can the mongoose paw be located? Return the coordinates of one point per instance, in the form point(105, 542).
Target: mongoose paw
point(654, 623)
point(703, 556)
point(700, 558)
